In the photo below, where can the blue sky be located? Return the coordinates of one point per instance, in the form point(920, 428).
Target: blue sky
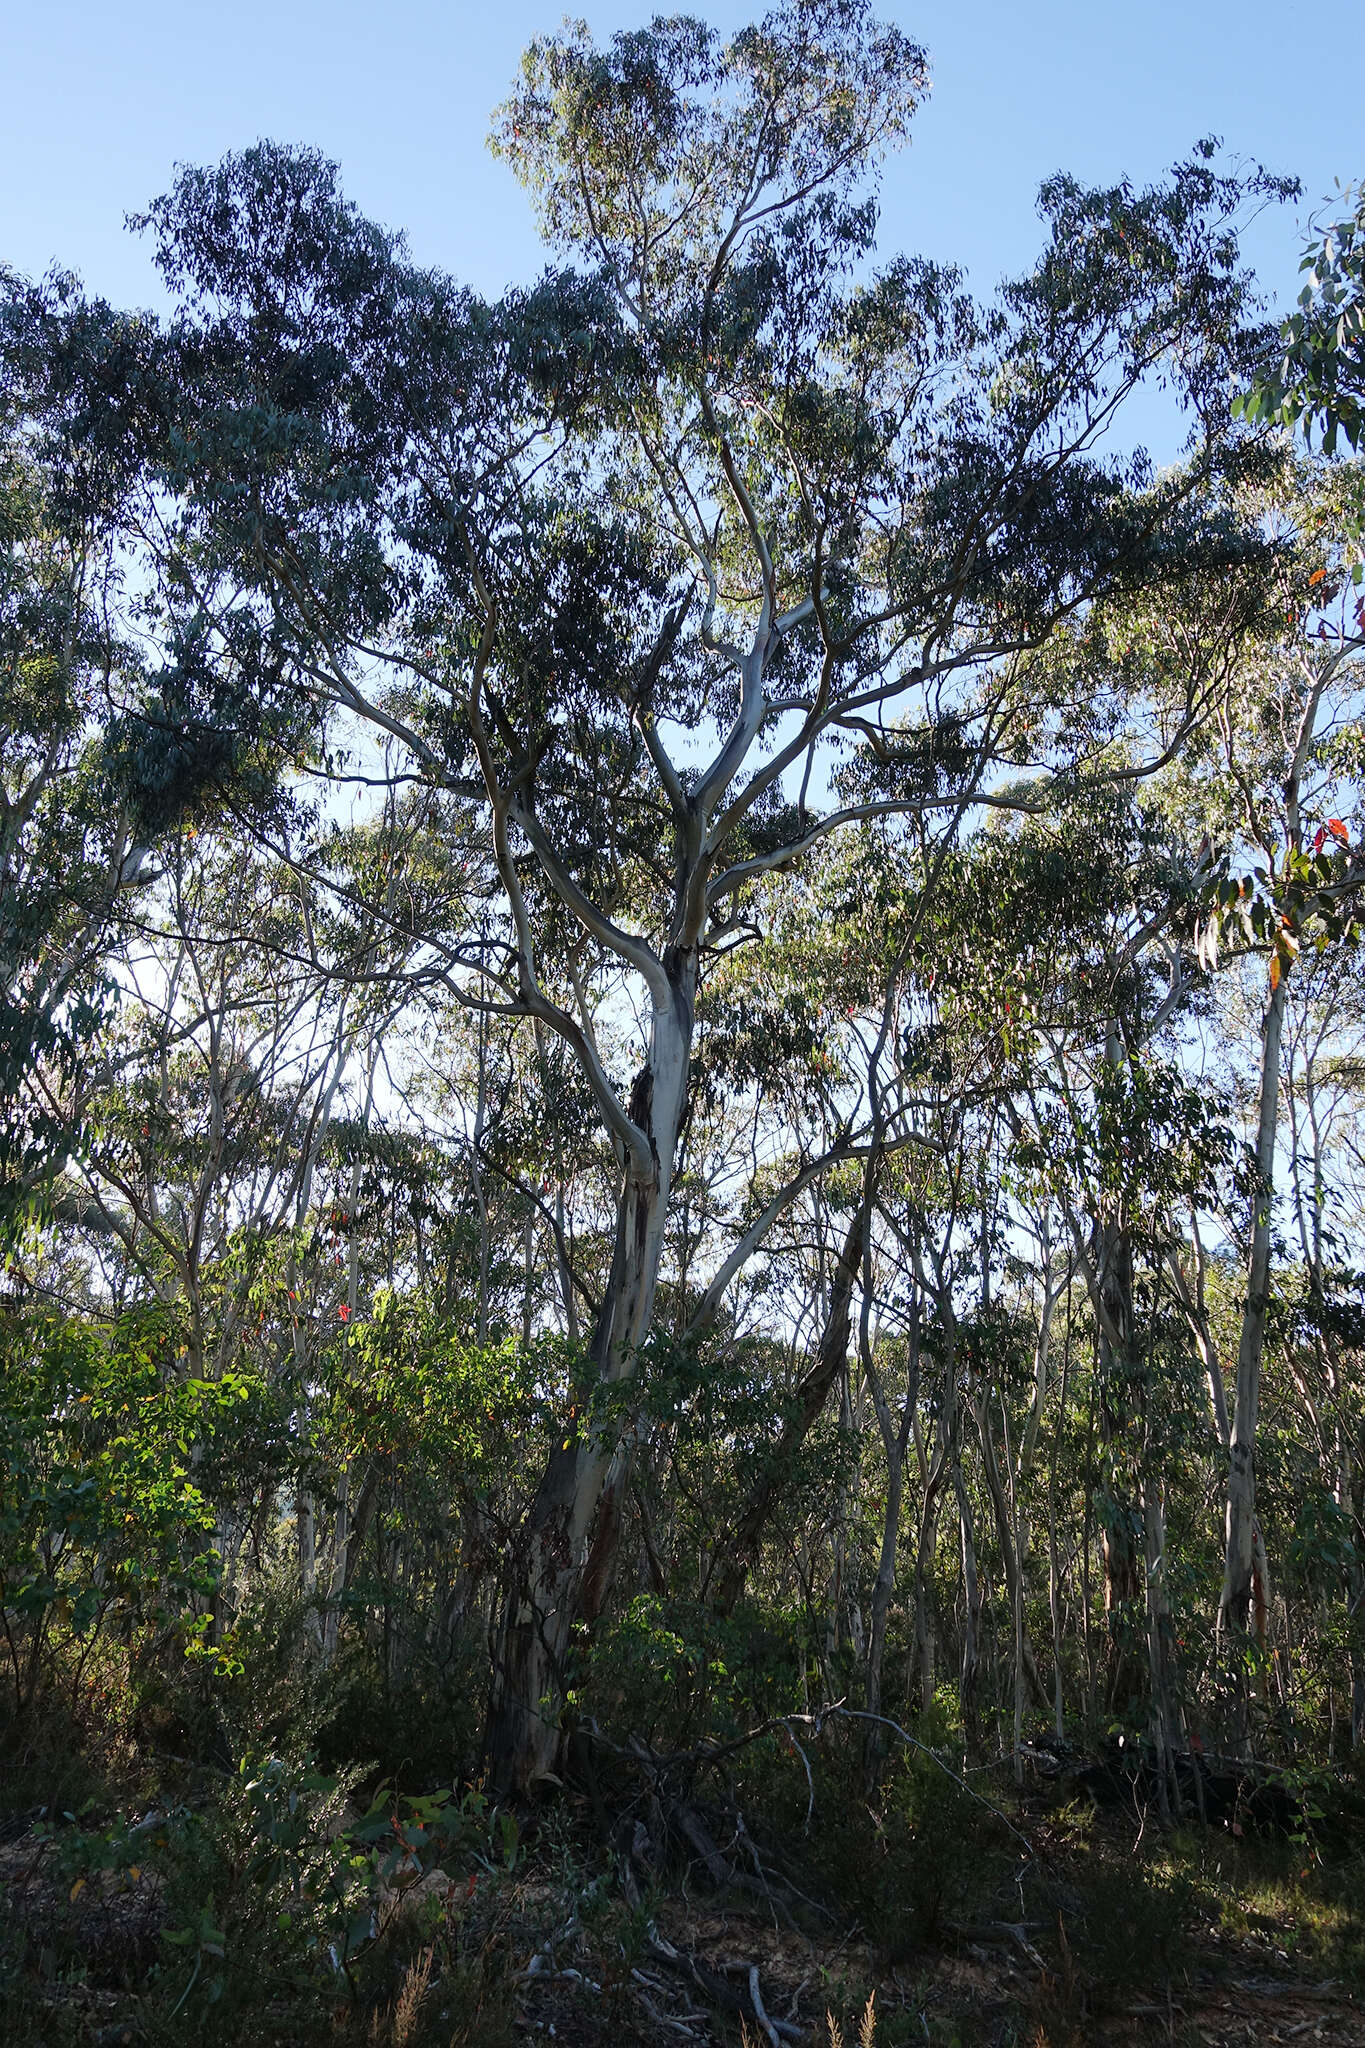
point(101, 101)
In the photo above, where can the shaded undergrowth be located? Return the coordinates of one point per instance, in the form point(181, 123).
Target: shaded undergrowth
point(663, 1894)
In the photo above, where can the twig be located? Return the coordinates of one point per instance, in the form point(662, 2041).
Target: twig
point(810, 1782)
point(531, 1975)
point(664, 2019)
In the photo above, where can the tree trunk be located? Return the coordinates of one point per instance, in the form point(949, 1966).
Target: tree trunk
point(944, 1462)
point(1054, 1587)
point(921, 1664)
point(1240, 1577)
point(305, 1517)
point(971, 1593)
point(1121, 1529)
point(896, 1443)
point(1009, 1550)
point(884, 1589)
point(1353, 1490)
point(548, 1563)
point(1158, 1659)
point(838, 1574)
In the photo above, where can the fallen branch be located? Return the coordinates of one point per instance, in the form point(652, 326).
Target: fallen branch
point(759, 2014)
point(709, 1753)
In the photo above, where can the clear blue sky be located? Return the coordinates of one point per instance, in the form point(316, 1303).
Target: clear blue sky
point(101, 101)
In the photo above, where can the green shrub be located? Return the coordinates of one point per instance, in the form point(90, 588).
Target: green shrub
point(676, 1674)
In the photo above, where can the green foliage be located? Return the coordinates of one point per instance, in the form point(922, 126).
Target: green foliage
point(104, 1521)
point(917, 1855)
point(1320, 382)
point(408, 1384)
point(276, 1895)
point(60, 853)
point(675, 1674)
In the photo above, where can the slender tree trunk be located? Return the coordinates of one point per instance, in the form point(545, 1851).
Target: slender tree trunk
point(1240, 1600)
point(1054, 1585)
point(883, 1591)
point(971, 1593)
point(896, 1443)
point(943, 1464)
point(341, 1530)
point(1087, 1543)
point(1120, 1426)
point(843, 1618)
point(921, 1664)
point(1009, 1549)
point(305, 1516)
point(336, 1578)
point(1158, 1659)
point(1353, 1491)
point(476, 1177)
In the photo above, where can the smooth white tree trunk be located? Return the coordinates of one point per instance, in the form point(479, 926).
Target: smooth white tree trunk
point(551, 1587)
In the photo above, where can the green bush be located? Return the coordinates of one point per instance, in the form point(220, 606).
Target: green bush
point(106, 1521)
point(276, 1898)
point(676, 1674)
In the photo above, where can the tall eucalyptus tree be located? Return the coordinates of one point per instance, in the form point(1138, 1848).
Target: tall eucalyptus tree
point(626, 563)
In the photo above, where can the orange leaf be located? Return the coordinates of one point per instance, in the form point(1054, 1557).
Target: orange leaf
point(1274, 972)
point(1338, 830)
point(1317, 576)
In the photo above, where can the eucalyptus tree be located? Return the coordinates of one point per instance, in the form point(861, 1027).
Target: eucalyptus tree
point(68, 844)
point(1289, 876)
point(1321, 1374)
point(621, 562)
point(1109, 1130)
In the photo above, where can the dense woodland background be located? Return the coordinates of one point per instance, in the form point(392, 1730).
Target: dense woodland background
point(683, 1056)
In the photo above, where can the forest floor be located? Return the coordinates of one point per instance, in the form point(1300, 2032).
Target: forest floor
point(1108, 1931)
